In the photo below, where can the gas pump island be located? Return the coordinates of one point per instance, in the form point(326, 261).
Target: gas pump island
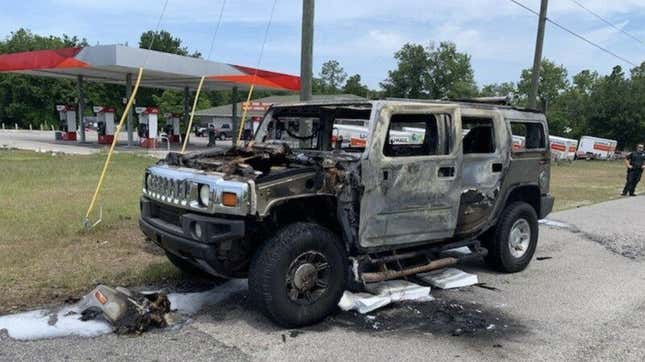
point(148, 133)
point(172, 127)
point(67, 123)
point(105, 123)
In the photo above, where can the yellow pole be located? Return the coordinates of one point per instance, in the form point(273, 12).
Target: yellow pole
point(192, 114)
point(116, 138)
point(246, 108)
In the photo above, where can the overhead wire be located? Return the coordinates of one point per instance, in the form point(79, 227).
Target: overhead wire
point(128, 107)
point(255, 74)
point(562, 27)
point(202, 79)
point(608, 22)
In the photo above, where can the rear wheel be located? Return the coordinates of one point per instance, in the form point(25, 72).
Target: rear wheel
point(297, 277)
point(512, 243)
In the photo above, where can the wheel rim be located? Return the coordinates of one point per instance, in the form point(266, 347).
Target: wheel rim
point(519, 238)
point(308, 277)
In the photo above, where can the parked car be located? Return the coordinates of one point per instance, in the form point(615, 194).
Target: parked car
point(305, 221)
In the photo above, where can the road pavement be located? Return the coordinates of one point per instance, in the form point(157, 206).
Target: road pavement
point(43, 141)
point(581, 299)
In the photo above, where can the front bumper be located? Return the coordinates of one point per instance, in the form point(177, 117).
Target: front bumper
point(175, 231)
point(546, 205)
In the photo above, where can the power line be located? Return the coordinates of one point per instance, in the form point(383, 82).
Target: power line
point(219, 22)
point(608, 22)
point(562, 27)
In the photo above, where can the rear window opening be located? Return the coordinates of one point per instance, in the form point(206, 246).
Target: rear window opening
point(527, 136)
point(479, 136)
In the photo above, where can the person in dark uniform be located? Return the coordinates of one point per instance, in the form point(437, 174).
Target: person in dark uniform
point(635, 163)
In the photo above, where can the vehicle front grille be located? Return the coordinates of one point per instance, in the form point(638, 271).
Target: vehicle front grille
point(170, 190)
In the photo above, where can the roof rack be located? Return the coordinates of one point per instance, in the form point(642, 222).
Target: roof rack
point(502, 101)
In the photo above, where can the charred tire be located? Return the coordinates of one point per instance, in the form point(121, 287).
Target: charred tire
point(512, 243)
point(298, 276)
point(186, 267)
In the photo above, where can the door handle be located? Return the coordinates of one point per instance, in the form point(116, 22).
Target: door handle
point(446, 171)
point(497, 167)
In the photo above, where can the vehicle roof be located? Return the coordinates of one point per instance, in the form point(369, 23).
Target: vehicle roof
point(470, 104)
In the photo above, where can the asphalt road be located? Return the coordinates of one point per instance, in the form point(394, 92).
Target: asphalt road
point(583, 300)
point(43, 141)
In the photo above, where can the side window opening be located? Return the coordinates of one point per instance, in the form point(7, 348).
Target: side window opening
point(527, 136)
point(417, 135)
point(479, 135)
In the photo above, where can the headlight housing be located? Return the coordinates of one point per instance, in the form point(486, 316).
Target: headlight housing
point(204, 195)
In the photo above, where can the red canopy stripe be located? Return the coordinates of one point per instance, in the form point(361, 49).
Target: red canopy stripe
point(264, 78)
point(41, 59)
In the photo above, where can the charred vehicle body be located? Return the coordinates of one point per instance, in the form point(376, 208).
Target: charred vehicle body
point(306, 216)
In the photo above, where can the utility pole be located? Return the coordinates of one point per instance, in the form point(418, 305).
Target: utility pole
point(128, 94)
point(307, 50)
point(81, 107)
point(537, 60)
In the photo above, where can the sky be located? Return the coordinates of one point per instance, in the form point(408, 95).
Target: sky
point(362, 35)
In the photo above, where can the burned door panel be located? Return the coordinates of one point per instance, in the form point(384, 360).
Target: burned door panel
point(412, 176)
point(485, 146)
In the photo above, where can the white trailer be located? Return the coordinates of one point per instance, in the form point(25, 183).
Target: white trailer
point(356, 136)
point(596, 148)
point(562, 148)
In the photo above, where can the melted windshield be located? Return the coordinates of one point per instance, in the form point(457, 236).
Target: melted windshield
point(317, 127)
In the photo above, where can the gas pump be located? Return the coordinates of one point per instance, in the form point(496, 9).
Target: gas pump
point(147, 131)
point(67, 122)
point(105, 123)
point(172, 127)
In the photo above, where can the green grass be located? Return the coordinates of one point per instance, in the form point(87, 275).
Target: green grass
point(44, 253)
point(45, 256)
point(584, 183)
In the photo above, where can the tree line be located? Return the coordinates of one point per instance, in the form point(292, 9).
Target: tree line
point(610, 106)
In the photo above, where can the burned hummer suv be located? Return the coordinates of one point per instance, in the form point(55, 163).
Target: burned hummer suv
point(330, 196)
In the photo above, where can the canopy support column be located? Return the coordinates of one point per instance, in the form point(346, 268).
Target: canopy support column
point(186, 108)
point(81, 107)
point(128, 93)
point(235, 123)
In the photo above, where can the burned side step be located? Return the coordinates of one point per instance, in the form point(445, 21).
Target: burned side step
point(436, 258)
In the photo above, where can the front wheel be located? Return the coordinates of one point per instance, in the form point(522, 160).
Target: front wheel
point(512, 243)
point(297, 277)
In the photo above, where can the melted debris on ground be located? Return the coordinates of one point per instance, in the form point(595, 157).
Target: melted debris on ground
point(128, 312)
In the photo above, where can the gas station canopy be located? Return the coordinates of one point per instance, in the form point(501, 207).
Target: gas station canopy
point(112, 64)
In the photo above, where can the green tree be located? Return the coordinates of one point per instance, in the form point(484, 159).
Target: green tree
point(410, 77)
point(505, 89)
point(431, 72)
point(171, 101)
point(354, 86)
point(163, 41)
point(611, 111)
point(450, 73)
point(332, 76)
point(553, 81)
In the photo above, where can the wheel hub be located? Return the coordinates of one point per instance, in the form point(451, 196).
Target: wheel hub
point(305, 277)
point(308, 277)
point(519, 238)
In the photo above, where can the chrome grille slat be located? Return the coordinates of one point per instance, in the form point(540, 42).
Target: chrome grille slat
point(179, 187)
